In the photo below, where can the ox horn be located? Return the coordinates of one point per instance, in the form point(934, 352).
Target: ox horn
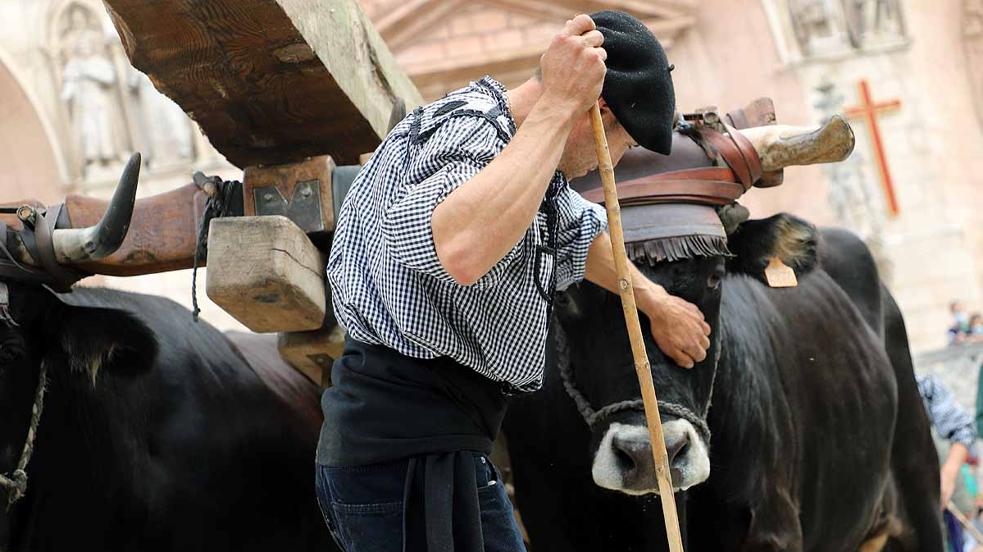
point(781, 146)
point(78, 245)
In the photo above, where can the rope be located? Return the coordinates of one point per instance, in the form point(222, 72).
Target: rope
point(219, 204)
point(16, 482)
point(594, 417)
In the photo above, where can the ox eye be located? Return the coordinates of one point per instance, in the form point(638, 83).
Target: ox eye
point(713, 282)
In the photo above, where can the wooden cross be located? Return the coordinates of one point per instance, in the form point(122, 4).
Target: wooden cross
point(868, 111)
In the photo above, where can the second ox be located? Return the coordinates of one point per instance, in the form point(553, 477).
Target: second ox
point(802, 429)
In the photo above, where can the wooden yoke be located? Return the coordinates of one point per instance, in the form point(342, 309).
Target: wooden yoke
point(162, 234)
point(266, 269)
point(161, 237)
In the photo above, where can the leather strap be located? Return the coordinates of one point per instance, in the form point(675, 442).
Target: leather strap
point(677, 187)
point(64, 277)
point(39, 245)
point(760, 112)
point(738, 153)
point(706, 185)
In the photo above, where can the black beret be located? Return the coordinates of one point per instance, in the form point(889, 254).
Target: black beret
point(638, 84)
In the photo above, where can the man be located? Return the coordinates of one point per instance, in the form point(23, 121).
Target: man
point(953, 424)
point(446, 255)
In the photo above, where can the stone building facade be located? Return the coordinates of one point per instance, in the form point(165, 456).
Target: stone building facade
point(72, 109)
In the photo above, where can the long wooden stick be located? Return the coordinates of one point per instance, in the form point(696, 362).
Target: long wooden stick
point(968, 525)
point(642, 368)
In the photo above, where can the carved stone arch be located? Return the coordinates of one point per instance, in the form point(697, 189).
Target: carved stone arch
point(973, 44)
point(31, 160)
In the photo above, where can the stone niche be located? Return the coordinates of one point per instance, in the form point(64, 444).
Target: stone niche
point(107, 108)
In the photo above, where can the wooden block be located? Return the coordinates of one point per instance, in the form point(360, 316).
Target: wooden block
point(299, 191)
point(313, 352)
point(266, 273)
point(269, 81)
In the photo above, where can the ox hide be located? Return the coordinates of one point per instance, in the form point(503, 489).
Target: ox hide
point(156, 433)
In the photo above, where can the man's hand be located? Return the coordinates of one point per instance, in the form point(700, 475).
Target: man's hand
point(573, 66)
point(678, 326)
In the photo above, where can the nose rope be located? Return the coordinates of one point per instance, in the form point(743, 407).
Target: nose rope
point(16, 481)
point(594, 417)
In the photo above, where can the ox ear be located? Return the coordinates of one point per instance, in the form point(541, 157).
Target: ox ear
point(91, 339)
point(755, 242)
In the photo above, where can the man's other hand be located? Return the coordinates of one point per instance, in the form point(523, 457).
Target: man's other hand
point(679, 328)
point(573, 66)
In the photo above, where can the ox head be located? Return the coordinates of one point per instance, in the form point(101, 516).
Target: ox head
point(40, 328)
point(692, 251)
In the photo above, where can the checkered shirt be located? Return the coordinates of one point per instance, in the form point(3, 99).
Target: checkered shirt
point(388, 286)
point(950, 420)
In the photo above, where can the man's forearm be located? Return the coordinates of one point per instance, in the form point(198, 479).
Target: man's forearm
point(602, 272)
point(958, 453)
point(477, 224)
point(678, 327)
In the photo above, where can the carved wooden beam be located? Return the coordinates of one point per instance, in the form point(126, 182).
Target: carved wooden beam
point(269, 81)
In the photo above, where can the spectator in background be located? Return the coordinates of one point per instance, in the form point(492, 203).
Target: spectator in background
point(960, 327)
point(975, 333)
point(954, 424)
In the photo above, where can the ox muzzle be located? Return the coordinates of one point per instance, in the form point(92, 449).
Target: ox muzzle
point(623, 461)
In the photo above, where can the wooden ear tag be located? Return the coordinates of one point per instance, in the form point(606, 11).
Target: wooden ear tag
point(779, 274)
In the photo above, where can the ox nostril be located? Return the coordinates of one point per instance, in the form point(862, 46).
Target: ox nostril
point(625, 461)
point(630, 452)
point(677, 447)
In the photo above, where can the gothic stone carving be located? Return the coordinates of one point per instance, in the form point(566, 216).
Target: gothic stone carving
point(89, 88)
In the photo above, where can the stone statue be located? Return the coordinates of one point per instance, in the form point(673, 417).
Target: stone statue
point(165, 130)
point(812, 22)
point(873, 18)
point(973, 43)
point(88, 87)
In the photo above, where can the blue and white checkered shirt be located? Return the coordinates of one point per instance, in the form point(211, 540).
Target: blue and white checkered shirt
point(388, 286)
point(950, 420)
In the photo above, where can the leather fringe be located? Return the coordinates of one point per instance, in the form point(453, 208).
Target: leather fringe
point(677, 248)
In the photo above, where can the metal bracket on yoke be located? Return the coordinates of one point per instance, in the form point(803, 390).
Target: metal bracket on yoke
point(300, 191)
point(706, 116)
point(304, 208)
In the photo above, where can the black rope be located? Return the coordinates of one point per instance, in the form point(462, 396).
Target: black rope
point(222, 204)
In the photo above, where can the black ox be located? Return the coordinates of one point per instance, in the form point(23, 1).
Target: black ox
point(156, 434)
point(802, 430)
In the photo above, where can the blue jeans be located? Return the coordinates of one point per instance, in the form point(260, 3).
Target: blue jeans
point(363, 507)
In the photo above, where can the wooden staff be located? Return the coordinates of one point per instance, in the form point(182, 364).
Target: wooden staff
point(642, 369)
point(970, 528)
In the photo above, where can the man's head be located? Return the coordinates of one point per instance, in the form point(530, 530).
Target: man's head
point(637, 101)
point(580, 157)
point(637, 97)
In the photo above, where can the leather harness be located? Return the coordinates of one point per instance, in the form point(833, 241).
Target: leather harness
point(36, 238)
point(713, 186)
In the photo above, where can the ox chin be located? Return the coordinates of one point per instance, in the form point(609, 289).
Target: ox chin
point(624, 463)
